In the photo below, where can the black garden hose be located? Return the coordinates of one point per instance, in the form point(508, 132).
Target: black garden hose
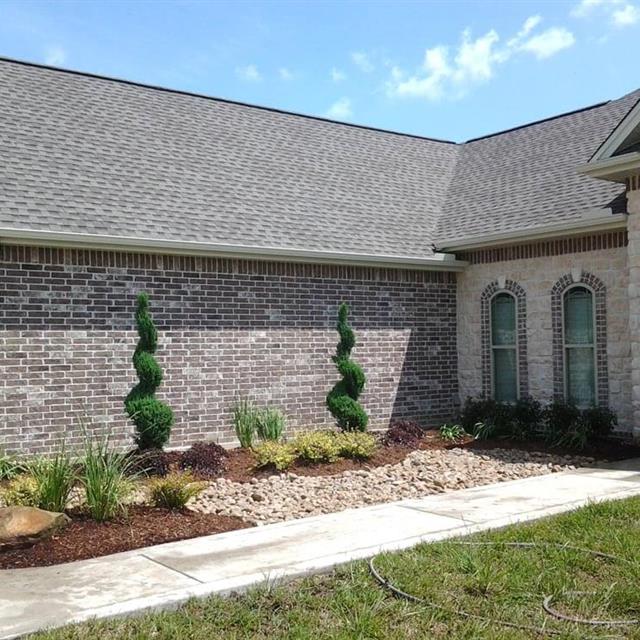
point(546, 604)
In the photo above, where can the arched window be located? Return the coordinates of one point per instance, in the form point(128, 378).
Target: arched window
point(579, 341)
point(504, 347)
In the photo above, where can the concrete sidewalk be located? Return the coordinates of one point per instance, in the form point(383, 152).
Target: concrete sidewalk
point(167, 575)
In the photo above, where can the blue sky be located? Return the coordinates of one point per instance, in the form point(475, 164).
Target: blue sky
point(452, 70)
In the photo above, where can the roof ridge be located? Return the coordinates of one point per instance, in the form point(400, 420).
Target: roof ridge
point(541, 121)
point(204, 96)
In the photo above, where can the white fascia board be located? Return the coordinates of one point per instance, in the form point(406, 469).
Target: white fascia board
point(615, 169)
point(576, 227)
point(31, 237)
point(619, 135)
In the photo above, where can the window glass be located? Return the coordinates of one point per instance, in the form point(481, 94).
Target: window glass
point(503, 347)
point(580, 370)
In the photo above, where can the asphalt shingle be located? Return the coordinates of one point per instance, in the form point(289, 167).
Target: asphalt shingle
point(92, 155)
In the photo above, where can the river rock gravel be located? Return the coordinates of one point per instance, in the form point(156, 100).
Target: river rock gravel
point(289, 496)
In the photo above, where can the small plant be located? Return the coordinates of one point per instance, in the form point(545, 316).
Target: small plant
point(342, 400)
point(356, 445)
point(404, 433)
point(484, 430)
point(276, 454)
point(317, 446)
point(204, 458)
point(55, 478)
point(150, 462)
point(175, 490)
point(153, 419)
point(270, 423)
point(10, 467)
point(244, 421)
point(22, 491)
point(527, 418)
point(107, 479)
point(452, 432)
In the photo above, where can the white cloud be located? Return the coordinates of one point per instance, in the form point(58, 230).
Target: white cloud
point(620, 13)
point(626, 16)
point(285, 74)
point(549, 42)
point(337, 75)
point(55, 56)
point(362, 61)
point(249, 73)
point(447, 72)
point(340, 109)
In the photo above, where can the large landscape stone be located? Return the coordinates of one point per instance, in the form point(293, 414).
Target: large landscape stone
point(24, 526)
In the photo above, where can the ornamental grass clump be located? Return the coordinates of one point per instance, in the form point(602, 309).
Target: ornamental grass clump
point(342, 400)
point(55, 478)
point(107, 478)
point(270, 423)
point(153, 419)
point(175, 490)
point(10, 467)
point(244, 421)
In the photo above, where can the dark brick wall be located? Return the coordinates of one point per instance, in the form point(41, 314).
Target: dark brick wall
point(227, 327)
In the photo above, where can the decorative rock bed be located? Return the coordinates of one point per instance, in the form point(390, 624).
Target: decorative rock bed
point(288, 496)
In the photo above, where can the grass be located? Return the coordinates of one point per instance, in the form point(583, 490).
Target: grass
point(494, 580)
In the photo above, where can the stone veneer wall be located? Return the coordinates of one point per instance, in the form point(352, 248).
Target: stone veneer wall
point(633, 226)
point(537, 268)
point(227, 327)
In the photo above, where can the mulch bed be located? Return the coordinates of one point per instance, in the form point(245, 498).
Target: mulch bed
point(84, 538)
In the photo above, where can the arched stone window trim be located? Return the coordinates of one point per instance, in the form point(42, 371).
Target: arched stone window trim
point(599, 291)
point(519, 294)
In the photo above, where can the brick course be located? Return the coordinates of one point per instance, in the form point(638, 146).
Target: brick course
point(227, 327)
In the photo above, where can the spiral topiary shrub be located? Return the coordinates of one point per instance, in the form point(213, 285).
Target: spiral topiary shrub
point(342, 400)
point(152, 418)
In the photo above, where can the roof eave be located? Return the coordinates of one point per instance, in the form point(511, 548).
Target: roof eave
point(609, 222)
point(54, 239)
point(614, 169)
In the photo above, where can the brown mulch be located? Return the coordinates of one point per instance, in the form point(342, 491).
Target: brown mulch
point(84, 538)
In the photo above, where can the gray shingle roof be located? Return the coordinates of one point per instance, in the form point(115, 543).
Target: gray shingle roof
point(526, 177)
point(92, 155)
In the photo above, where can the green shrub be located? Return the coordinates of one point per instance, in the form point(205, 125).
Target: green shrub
point(21, 492)
point(317, 446)
point(452, 432)
point(107, 477)
point(152, 418)
point(270, 423)
point(175, 490)
point(521, 420)
point(356, 445)
point(342, 400)
point(55, 478)
point(275, 454)
point(568, 426)
point(527, 419)
point(245, 421)
point(600, 421)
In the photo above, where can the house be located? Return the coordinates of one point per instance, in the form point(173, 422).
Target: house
point(506, 266)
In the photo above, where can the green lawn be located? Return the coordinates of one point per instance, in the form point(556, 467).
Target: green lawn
point(496, 581)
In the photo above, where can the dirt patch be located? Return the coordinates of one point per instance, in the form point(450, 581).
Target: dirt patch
point(84, 538)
